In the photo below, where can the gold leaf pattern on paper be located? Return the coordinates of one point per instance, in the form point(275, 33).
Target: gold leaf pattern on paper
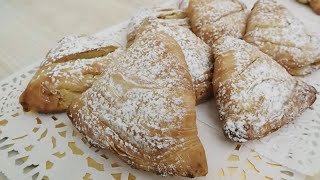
point(114, 165)
point(6, 146)
point(15, 115)
point(116, 176)
point(221, 173)
point(12, 153)
point(233, 158)
point(35, 176)
point(75, 149)
point(29, 148)
point(43, 135)
point(35, 130)
point(288, 173)
point(251, 166)
point(21, 137)
point(38, 120)
point(60, 125)
point(21, 160)
point(243, 175)
point(3, 122)
point(54, 142)
point(232, 170)
point(59, 155)
point(131, 177)
point(87, 176)
point(29, 168)
point(63, 134)
point(49, 165)
point(94, 164)
point(273, 164)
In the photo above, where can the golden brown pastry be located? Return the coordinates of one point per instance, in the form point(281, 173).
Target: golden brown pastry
point(303, 1)
point(255, 95)
point(212, 19)
point(143, 109)
point(197, 54)
point(69, 70)
point(315, 4)
point(171, 15)
point(276, 32)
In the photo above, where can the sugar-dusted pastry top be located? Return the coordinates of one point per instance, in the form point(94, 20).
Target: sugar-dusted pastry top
point(171, 15)
point(255, 95)
point(197, 55)
point(276, 32)
point(74, 47)
point(69, 69)
point(212, 19)
point(143, 109)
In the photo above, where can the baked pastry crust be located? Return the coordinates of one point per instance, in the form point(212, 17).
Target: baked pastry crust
point(171, 15)
point(315, 5)
point(212, 19)
point(197, 54)
point(255, 95)
point(143, 109)
point(276, 32)
point(69, 69)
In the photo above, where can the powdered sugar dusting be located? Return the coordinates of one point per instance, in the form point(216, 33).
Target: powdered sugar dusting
point(141, 100)
point(257, 93)
point(75, 44)
point(212, 19)
point(279, 34)
point(197, 53)
point(168, 14)
point(72, 73)
point(68, 70)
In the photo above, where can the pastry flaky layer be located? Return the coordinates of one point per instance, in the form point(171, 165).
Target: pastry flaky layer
point(143, 109)
point(276, 32)
point(255, 95)
point(197, 54)
point(69, 70)
point(171, 15)
point(212, 19)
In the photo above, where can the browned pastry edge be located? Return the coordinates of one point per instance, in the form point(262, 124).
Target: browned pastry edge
point(38, 95)
point(203, 91)
point(195, 155)
point(308, 95)
point(315, 5)
point(103, 51)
